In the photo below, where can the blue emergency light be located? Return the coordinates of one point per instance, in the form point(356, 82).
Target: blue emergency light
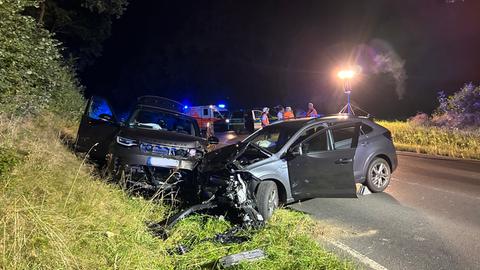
point(221, 106)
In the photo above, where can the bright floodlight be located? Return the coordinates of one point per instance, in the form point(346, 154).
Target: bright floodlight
point(346, 74)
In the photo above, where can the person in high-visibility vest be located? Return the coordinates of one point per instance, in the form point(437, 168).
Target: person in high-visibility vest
point(312, 112)
point(288, 114)
point(264, 117)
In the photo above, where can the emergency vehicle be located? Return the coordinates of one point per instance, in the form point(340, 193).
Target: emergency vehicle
point(207, 115)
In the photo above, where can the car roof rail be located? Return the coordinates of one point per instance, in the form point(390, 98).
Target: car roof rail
point(161, 102)
point(339, 116)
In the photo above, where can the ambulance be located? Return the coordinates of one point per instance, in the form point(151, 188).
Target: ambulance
point(207, 115)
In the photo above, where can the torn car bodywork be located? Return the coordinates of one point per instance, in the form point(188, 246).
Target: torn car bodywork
point(224, 187)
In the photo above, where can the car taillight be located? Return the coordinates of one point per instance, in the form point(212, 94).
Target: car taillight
point(388, 135)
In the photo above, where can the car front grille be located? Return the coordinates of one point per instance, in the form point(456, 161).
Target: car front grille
point(164, 150)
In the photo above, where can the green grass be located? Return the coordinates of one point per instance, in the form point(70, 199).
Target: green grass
point(56, 214)
point(434, 140)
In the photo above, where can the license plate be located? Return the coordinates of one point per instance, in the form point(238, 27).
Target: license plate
point(162, 162)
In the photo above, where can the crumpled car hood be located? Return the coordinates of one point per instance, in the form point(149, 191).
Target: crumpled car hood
point(163, 137)
point(218, 159)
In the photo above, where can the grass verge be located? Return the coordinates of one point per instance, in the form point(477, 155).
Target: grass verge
point(434, 140)
point(55, 214)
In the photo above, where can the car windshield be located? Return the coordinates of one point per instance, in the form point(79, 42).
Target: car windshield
point(161, 120)
point(272, 138)
point(237, 115)
point(220, 114)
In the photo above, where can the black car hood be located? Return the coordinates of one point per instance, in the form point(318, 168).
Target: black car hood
point(163, 137)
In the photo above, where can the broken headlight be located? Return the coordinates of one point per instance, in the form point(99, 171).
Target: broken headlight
point(126, 141)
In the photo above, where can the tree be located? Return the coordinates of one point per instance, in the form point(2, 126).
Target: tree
point(82, 26)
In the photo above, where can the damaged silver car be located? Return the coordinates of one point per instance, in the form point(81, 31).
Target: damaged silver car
point(309, 158)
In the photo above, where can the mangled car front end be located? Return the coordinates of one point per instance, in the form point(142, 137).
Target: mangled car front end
point(138, 159)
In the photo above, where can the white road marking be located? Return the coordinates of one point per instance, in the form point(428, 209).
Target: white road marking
point(437, 189)
point(359, 256)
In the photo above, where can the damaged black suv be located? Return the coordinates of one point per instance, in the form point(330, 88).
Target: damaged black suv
point(162, 150)
point(155, 144)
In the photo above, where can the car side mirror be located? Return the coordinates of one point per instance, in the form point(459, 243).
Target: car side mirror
point(105, 117)
point(293, 152)
point(213, 140)
point(297, 150)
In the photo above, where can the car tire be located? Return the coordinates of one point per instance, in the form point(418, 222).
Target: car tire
point(267, 198)
point(378, 175)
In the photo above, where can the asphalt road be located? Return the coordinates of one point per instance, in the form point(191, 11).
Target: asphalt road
point(428, 218)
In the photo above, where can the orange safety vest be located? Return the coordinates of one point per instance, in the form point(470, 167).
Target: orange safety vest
point(312, 113)
point(265, 121)
point(288, 115)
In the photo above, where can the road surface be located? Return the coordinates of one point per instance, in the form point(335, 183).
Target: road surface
point(428, 218)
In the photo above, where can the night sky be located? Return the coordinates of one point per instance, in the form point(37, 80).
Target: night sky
point(264, 53)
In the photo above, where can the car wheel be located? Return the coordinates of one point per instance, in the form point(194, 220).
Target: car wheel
point(267, 198)
point(378, 175)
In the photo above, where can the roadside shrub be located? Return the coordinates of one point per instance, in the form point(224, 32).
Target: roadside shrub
point(420, 119)
point(33, 74)
point(460, 110)
point(8, 159)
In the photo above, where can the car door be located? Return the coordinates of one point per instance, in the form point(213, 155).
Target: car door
point(322, 164)
point(97, 128)
point(257, 119)
point(364, 150)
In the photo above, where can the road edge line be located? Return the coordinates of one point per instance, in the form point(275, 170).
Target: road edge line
point(357, 255)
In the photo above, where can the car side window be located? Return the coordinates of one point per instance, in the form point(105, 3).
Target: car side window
point(365, 129)
point(343, 138)
point(205, 112)
point(99, 106)
point(307, 133)
point(317, 143)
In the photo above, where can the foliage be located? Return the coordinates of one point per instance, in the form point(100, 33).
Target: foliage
point(460, 110)
point(33, 75)
point(434, 140)
point(55, 214)
point(8, 159)
point(420, 119)
point(82, 26)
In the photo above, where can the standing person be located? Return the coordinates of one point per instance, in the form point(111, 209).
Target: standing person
point(280, 114)
point(288, 113)
point(311, 112)
point(264, 117)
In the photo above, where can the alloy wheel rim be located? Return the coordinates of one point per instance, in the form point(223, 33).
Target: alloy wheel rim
point(380, 175)
point(272, 201)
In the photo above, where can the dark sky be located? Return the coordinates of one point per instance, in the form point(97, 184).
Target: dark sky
point(257, 53)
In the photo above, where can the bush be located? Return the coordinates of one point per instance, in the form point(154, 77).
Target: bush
point(421, 119)
point(8, 159)
point(33, 75)
point(460, 110)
